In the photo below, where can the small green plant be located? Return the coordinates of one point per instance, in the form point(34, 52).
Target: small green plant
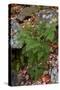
point(36, 49)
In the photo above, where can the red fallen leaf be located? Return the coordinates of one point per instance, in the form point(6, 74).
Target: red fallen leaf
point(33, 18)
point(24, 71)
point(46, 79)
point(54, 46)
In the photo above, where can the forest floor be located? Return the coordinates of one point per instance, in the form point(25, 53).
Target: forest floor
point(22, 15)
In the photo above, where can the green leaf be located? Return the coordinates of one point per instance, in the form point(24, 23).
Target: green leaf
point(50, 36)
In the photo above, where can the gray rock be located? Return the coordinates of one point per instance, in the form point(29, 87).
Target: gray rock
point(53, 71)
point(15, 28)
point(14, 25)
point(54, 74)
point(20, 17)
point(47, 15)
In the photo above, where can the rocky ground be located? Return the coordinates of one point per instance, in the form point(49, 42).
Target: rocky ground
point(24, 15)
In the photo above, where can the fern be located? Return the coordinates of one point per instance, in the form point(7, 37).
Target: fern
point(36, 46)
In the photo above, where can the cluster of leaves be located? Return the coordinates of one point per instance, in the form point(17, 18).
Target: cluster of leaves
point(36, 49)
